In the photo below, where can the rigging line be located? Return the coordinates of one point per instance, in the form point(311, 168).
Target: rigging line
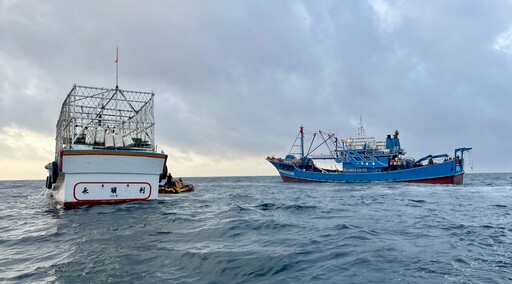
point(294, 144)
point(324, 142)
point(329, 136)
point(310, 145)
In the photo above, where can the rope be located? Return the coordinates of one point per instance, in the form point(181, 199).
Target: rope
point(45, 191)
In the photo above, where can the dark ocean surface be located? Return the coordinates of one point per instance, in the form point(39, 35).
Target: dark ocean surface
point(260, 230)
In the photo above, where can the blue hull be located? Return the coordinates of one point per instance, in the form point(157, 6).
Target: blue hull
point(443, 173)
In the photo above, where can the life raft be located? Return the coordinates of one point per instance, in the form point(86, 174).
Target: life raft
point(176, 186)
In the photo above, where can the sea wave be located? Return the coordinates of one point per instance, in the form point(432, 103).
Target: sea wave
point(260, 230)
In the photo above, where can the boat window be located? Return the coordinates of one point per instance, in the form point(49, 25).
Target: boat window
point(286, 167)
point(368, 158)
point(358, 159)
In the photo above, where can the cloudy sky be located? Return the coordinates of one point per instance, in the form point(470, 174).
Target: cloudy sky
point(235, 79)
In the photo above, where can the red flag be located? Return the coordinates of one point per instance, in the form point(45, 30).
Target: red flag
point(117, 55)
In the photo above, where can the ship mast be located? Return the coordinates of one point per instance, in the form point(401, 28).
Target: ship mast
point(301, 141)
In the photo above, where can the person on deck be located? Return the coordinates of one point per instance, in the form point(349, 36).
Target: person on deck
point(169, 182)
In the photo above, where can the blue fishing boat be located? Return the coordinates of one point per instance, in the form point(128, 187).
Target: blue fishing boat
point(363, 159)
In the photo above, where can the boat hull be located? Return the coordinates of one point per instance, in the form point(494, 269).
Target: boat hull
point(91, 177)
point(444, 173)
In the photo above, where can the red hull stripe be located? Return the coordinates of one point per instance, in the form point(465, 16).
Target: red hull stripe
point(113, 153)
point(97, 202)
point(458, 179)
point(290, 179)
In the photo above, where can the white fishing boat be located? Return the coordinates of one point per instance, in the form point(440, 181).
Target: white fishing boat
point(105, 148)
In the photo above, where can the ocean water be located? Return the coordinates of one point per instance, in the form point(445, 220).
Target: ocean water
point(260, 230)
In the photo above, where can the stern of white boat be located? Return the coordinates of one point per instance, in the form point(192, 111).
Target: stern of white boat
point(89, 177)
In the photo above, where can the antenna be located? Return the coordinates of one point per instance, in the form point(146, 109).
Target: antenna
point(117, 66)
point(361, 127)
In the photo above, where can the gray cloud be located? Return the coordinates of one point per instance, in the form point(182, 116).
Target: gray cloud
point(239, 77)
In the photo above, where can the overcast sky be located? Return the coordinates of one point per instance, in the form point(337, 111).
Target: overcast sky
point(235, 79)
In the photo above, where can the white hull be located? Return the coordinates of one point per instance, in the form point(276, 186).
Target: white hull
point(89, 177)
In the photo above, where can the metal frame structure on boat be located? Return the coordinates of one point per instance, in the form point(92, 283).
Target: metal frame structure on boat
point(123, 112)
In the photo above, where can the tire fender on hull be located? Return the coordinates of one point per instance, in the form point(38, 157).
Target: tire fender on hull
point(48, 182)
point(55, 172)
